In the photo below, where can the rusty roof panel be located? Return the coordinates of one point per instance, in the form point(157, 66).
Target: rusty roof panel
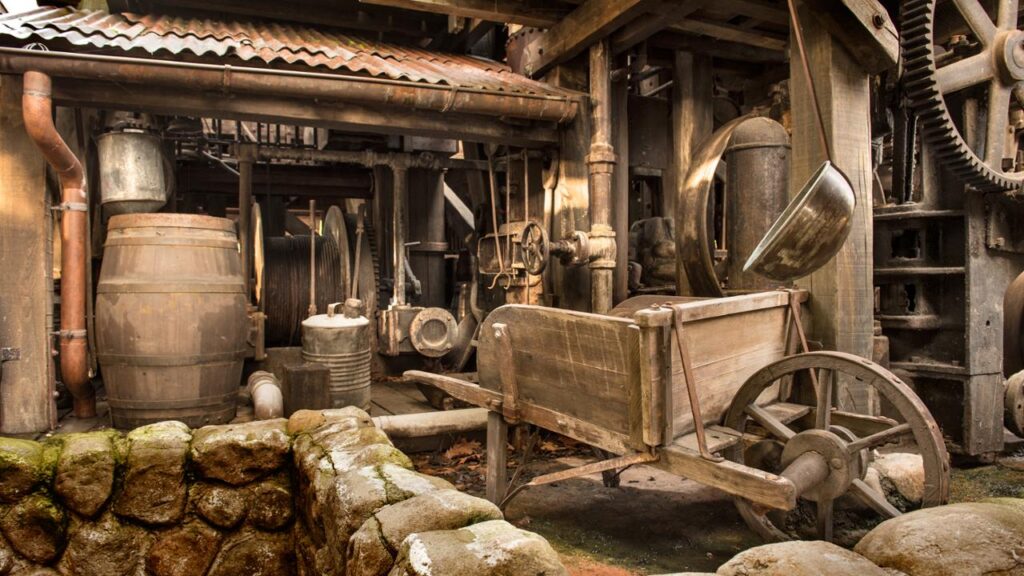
point(259, 43)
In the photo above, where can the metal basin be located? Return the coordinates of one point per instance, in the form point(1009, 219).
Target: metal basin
point(810, 231)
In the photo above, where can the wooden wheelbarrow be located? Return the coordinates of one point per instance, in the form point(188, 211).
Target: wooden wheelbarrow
point(708, 389)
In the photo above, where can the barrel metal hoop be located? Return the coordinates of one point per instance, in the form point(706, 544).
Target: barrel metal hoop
point(225, 244)
point(169, 288)
point(138, 360)
point(169, 404)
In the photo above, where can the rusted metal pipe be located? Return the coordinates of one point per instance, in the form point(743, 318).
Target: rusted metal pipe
point(601, 162)
point(37, 109)
point(227, 79)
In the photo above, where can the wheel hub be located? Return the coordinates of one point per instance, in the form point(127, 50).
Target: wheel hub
point(1009, 55)
point(830, 446)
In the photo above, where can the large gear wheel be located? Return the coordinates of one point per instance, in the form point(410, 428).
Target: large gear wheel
point(990, 57)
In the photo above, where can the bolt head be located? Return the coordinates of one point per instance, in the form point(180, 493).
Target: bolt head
point(837, 463)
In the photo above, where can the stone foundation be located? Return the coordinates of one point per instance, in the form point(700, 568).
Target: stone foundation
point(323, 493)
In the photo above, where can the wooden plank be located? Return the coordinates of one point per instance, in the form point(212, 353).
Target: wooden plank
point(655, 377)
point(581, 365)
point(663, 15)
point(588, 23)
point(730, 33)
point(26, 286)
point(732, 478)
point(755, 339)
point(718, 438)
point(842, 306)
point(705, 309)
point(755, 9)
point(540, 14)
point(863, 27)
point(542, 416)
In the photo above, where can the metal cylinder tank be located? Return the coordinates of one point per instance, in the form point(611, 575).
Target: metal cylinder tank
point(757, 188)
point(342, 343)
point(171, 322)
point(133, 172)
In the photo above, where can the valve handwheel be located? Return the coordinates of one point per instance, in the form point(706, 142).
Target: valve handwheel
point(535, 247)
point(990, 59)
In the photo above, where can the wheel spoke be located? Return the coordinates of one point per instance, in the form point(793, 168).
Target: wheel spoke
point(996, 124)
point(965, 73)
point(874, 499)
point(824, 517)
point(770, 423)
point(823, 416)
point(977, 18)
point(1008, 9)
point(878, 438)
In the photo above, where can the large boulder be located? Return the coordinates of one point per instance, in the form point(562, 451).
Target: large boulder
point(7, 558)
point(964, 539)
point(370, 548)
point(495, 547)
point(85, 472)
point(220, 505)
point(186, 550)
point(799, 558)
point(154, 490)
point(105, 547)
point(21, 468)
point(240, 453)
point(255, 553)
point(36, 528)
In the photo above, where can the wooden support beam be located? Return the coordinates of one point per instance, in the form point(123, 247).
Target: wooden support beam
point(716, 48)
point(26, 286)
point(863, 27)
point(842, 302)
point(590, 22)
point(731, 33)
point(755, 9)
point(537, 13)
point(646, 26)
point(692, 122)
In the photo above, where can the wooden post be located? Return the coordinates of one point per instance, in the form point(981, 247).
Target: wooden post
point(497, 457)
point(842, 294)
point(26, 286)
point(692, 121)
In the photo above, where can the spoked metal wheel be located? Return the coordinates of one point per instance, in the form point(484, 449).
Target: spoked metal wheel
point(826, 452)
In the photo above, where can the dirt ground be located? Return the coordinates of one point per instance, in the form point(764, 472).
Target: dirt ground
point(654, 522)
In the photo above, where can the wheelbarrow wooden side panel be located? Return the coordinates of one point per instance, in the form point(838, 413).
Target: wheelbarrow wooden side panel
point(728, 339)
point(582, 366)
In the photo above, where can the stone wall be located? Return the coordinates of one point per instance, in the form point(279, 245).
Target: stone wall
point(324, 493)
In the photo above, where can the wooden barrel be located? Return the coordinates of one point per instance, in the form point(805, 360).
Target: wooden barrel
point(171, 322)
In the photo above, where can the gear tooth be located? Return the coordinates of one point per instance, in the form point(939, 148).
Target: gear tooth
point(923, 95)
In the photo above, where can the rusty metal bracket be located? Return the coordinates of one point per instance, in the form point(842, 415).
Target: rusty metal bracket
point(691, 389)
point(602, 466)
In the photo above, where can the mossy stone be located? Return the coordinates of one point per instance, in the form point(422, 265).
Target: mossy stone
point(21, 468)
point(36, 528)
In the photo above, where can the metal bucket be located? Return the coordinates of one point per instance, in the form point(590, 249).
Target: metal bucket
point(171, 322)
point(133, 172)
point(342, 343)
point(811, 230)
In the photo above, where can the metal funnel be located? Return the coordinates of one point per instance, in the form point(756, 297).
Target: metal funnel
point(810, 231)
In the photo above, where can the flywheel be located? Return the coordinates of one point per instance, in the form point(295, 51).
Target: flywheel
point(980, 54)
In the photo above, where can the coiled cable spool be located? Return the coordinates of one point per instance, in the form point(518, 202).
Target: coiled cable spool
point(285, 284)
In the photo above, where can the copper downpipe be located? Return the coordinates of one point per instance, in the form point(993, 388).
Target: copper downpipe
point(37, 108)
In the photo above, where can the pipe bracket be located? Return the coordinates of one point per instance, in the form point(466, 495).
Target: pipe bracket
point(71, 207)
point(70, 334)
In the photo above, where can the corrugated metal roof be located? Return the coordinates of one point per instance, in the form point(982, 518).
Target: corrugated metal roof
point(255, 42)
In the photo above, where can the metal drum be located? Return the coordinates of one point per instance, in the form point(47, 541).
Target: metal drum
point(171, 323)
point(133, 172)
point(342, 343)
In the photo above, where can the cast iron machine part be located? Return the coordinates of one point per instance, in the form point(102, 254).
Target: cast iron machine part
point(996, 62)
point(537, 248)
